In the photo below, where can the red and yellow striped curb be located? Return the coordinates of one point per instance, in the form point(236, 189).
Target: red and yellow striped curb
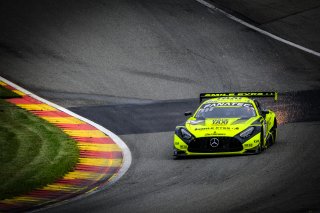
point(99, 162)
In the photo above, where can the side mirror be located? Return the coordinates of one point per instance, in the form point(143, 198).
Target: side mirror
point(264, 112)
point(189, 113)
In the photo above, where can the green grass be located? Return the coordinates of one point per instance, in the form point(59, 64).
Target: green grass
point(33, 152)
point(6, 93)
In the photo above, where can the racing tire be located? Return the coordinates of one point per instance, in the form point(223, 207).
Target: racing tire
point(177, 156)
point(274, 132)
point(274, 136)
point(260, 148)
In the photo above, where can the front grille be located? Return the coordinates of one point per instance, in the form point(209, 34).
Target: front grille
point(226, 144)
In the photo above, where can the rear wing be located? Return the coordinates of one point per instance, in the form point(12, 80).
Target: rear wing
point(240, 94)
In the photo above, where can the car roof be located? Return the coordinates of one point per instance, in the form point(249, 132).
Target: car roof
point(230, 99)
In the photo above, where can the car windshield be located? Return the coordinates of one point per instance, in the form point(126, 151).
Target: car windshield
point(226, 110)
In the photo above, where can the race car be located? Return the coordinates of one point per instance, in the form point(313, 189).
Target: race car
point(227, 124)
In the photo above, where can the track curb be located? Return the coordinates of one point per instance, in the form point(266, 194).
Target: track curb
point(104, 157)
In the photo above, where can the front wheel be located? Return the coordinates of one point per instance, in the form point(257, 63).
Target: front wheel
point(260, 148)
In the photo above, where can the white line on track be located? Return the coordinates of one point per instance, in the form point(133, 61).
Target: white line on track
point(127, 159)
point(211, 6)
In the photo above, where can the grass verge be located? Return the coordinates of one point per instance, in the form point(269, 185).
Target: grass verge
point(33, 152)
point(5, 93)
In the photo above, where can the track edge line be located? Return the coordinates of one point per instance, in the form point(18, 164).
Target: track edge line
point(257, 29)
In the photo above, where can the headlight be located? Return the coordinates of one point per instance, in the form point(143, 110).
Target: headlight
point(246, 133)
point(185, 134)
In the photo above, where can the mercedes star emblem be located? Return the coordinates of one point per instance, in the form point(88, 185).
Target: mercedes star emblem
point(214, 142)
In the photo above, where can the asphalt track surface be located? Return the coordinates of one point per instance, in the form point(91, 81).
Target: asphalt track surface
point(136, 66)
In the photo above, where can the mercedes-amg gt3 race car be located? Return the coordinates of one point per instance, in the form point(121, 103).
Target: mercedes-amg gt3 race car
point(227, 124)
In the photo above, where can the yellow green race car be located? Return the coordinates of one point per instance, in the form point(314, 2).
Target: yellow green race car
point(227, 124)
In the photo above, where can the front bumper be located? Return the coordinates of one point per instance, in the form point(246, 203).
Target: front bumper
point(250, 146)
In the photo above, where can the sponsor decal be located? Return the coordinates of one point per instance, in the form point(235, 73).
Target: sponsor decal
point(220, 121)
point(223, 128)
point(231, 104)
point(230, 98)
point(214, 134)
point(217, 128)
point(239, 94)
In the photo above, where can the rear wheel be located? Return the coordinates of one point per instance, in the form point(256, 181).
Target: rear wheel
point(273, 136)
point(274, 132)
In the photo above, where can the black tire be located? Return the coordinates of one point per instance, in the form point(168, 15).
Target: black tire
point(176, 157)
point(274, 132)
point(274, 135)
point(260, 149)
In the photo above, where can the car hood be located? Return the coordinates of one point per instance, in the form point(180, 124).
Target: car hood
point(227, 127)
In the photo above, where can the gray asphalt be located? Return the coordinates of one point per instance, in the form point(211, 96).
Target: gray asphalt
point(294, 20)
point(90, 55)
point(285, 178)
